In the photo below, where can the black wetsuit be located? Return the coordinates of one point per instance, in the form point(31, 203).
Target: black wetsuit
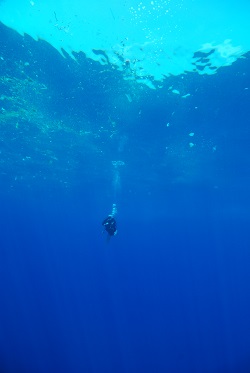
point(110, 225)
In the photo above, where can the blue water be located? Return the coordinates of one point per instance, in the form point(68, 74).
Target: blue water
point(168, 293)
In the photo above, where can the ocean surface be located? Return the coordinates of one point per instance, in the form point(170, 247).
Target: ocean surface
point(169, 292)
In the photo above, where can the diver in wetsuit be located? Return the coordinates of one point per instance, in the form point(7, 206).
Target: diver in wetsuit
point(110, 225)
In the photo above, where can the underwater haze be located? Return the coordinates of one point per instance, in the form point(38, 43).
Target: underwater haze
point(140, 112)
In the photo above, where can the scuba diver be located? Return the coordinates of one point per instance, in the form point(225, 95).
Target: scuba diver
point(110, 226)
point(110, 223)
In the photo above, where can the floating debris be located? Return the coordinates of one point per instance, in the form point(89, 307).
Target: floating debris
point(128, 97)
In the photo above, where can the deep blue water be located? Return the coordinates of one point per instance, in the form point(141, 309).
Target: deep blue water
point(170, 292)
